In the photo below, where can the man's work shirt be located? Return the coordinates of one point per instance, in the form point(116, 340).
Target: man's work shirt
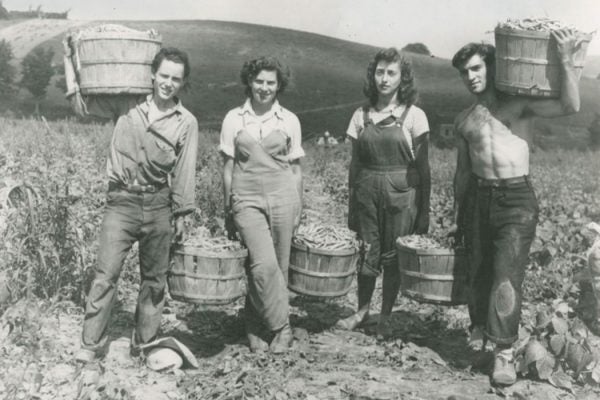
point(147, 152)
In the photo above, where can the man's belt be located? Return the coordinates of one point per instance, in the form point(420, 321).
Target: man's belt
point(135, 187)
point(500, 183)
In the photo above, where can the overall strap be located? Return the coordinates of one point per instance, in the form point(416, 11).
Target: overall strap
point(402, 118)
point(365, 110)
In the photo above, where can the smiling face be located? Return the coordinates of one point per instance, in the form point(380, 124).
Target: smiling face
point(474, 74)
point(387, 78)
point(168, 81)
point(264, 88)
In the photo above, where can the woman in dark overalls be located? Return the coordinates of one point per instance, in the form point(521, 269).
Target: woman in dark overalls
point(389, 179)
point(261, 147)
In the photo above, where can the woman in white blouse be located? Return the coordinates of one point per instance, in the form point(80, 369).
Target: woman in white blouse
point(389, 179)
point(262, 180)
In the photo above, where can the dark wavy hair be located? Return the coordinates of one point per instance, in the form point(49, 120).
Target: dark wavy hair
point(252, 68)
point(175, 55)
point(407, 93)
point(486, 51)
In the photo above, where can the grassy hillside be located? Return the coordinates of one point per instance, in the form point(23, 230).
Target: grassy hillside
point(327, 76)
point(327, 73)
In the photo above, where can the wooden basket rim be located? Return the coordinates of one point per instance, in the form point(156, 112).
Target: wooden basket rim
point(198, 251)
point(132, 36)
point(314, 250)
point(586, 37)
point(430, 252)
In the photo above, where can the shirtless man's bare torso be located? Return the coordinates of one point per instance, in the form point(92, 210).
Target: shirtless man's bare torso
point(495, 207)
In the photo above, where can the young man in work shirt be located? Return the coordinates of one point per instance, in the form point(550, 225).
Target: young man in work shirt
point(495, 205)
point(151, 178)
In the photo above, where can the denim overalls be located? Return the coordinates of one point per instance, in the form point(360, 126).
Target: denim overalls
point(385, 195)
point(265, 202)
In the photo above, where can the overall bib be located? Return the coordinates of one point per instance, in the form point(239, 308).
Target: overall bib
point(385, 190)
point(265, 202)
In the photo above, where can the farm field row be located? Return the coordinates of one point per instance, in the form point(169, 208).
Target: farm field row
point(50, 250)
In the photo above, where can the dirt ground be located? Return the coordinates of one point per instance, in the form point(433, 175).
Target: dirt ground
point(427, 357)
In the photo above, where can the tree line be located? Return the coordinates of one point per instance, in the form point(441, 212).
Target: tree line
point(36, 72)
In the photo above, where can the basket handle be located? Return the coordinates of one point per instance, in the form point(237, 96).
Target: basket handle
point(71, 75)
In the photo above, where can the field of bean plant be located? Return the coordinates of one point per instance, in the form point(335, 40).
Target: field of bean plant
point(52, 191)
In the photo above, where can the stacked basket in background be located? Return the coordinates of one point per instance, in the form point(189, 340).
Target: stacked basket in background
point(112, 59)
point(527, 60)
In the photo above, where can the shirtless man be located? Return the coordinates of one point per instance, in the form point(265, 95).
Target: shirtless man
point(496, 210)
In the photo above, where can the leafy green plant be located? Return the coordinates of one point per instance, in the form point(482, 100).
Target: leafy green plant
point(37, 71)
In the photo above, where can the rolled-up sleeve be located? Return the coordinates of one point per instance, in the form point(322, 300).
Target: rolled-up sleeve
point(419, 125)
point(183, 177)
point(228, 132)
point(355, 125)
point(295, 135)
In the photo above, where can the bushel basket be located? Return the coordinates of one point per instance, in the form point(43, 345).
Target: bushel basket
point(527, 62)
point(114, 60)
point(321, 273)
point(204, 278)
point(437, 276)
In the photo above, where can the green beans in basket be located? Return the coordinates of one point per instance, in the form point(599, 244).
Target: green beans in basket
point(326, 237)
point(201, 238)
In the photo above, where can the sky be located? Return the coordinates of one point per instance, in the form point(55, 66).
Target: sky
point(442, 25)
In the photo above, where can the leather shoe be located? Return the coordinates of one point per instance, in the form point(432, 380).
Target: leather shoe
point(282, 340)
point(256, 343)
point(352, 322)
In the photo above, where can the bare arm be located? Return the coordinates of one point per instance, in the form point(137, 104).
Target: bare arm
point(422, 164)
point(569, 101)
point(297, 171)
point(462, 174)
point(227, 177)
point(352, 174)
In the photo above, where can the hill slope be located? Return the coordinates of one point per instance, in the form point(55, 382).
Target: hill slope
point(327, 74)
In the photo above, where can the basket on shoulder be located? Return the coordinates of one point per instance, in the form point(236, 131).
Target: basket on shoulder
point(111, 59)
point(527, 59)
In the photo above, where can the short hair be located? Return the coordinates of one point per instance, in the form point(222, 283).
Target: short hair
point(252, 68)
point(486, 51)
point(172, 54)
point(407, 93)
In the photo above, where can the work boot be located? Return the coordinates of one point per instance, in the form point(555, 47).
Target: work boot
point(504, 372)
point(352, 322)
point(282, 340)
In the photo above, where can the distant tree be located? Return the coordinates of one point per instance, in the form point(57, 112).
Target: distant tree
point(418, 48)
point(37, 72)
point(3, 12)
point(7, 70)
point(598, 77)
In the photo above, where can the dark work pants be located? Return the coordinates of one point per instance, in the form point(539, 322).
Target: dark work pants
point(499, 224)
point(130, 217)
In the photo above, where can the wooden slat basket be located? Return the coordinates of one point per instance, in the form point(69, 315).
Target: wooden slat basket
point(527, 62)
point(321, 273)
point(109, 61)
point(437, 276)
point(202, 278)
